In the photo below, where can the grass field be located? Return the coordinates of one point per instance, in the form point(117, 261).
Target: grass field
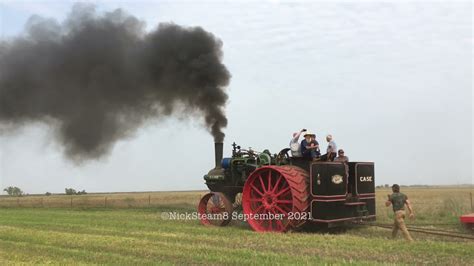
point(133, 232)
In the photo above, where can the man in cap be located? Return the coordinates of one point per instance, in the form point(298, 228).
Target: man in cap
point(341, 157)
point(398, 200)
point(309, 146)
point(295, 146)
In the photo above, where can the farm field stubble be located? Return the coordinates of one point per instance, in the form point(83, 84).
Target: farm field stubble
point(131, 230)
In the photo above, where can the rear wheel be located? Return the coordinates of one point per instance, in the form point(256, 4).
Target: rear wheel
point(276, 198)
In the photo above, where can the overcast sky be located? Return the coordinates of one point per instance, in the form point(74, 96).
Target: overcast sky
point(392, 81)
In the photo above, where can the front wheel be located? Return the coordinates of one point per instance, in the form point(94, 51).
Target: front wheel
point(215, 209)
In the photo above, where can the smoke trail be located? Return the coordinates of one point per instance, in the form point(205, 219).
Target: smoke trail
point(97, 78)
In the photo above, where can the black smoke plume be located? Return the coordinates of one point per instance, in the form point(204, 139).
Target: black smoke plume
point(97, 77)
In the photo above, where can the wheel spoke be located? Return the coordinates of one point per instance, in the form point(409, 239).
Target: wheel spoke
point(283, 201)
point(255, 189)
point(270, 225)
point(256, 200)
point(210, 206)
point(261, 182)
point(281, 192)
point(284, 206)
point(220, 203)
point(285, 195)
point(269, 180)
point(280, 177)
point(281, 210)
point(260, 221)
point(258, 209)
point(278, 222)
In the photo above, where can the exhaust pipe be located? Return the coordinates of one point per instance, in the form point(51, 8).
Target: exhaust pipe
point(218, 152)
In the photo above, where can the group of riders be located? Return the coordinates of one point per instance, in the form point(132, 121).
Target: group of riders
point(309, 148)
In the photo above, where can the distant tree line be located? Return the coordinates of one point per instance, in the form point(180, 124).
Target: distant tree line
point(17, 192)
point(388, 186)
point(71, 191)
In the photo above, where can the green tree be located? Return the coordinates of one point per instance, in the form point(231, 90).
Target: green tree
point(13, 191)
point(70, 191)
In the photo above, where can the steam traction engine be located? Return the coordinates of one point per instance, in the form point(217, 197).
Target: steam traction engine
point(280, 193)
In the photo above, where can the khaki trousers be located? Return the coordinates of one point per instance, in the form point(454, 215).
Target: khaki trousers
point(399, 223)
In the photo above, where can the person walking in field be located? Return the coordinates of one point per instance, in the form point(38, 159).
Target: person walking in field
point(398, 200)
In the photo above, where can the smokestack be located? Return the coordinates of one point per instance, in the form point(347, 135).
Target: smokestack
point(218, 149)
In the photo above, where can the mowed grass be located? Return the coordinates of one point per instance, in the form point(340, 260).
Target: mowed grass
point(141, 236)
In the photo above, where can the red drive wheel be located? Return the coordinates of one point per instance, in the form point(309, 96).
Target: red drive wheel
point(276, 198)
point(215, 209)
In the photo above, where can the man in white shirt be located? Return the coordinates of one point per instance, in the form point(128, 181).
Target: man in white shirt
point(295, 144)
point(331, 151)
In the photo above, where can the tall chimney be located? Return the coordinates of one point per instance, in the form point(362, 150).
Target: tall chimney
point(218, 150)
